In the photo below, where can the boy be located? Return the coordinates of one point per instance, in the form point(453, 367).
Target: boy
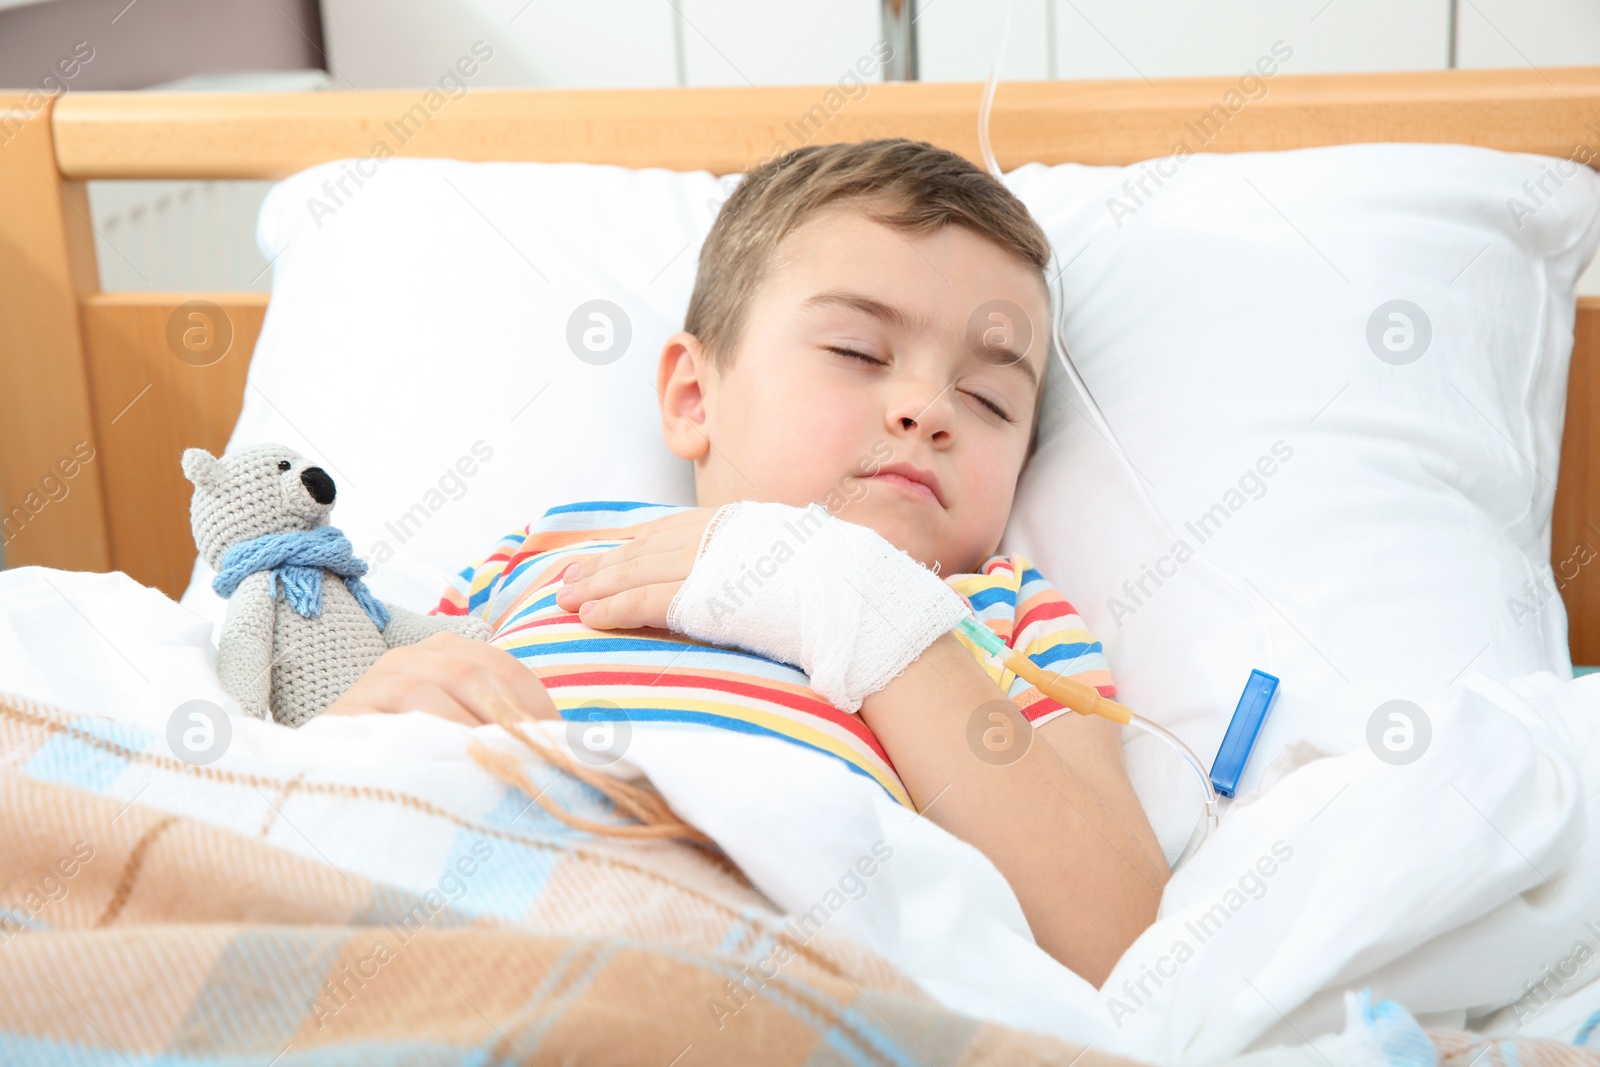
point(841, 350)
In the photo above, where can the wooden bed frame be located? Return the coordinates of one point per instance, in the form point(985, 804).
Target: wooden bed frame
point(85, 373)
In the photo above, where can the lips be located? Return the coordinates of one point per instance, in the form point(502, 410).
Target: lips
point(912, 480)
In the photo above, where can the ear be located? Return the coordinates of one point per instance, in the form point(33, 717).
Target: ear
point(201, 468)
point(680, 382)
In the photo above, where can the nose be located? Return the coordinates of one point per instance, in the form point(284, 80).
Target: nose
point(917, 411)
point(318, 484)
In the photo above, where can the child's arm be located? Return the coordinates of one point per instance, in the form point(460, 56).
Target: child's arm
point(1061, 823)
point(1067, 833)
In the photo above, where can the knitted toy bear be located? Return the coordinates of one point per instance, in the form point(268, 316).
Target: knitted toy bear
point(301, 626)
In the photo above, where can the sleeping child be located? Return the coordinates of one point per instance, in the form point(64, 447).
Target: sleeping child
point(857, 385)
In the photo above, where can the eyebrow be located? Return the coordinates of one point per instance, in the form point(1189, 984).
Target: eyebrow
point(894, 316)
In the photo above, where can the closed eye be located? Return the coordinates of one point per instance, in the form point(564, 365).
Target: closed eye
point(986, 402)
point(853, 354)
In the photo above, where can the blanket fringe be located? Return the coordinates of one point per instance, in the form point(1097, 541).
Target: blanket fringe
point(655, 817)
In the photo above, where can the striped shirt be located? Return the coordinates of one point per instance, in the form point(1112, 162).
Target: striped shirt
point(650, 675)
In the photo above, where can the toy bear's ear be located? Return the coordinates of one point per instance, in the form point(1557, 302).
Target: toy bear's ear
point(201, 468)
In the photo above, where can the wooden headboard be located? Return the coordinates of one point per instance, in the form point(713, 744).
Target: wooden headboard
point(85, 373)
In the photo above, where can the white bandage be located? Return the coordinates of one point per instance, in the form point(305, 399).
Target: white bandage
point(801, 586)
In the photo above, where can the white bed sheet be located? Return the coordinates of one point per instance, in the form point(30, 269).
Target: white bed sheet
point(1446, 885)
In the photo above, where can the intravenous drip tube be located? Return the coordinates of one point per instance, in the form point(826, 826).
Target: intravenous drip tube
point(1086, 700)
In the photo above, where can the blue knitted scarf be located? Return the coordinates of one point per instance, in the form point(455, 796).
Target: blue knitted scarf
point(297, 561)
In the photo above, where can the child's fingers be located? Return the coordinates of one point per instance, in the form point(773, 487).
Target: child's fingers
point(450, 676)
point(650, 544)
point(644, 605)
point(668, 534)
point(652, 569)
point(396, 695)
point(676, 527)
point(521, 697)
point(474, 673)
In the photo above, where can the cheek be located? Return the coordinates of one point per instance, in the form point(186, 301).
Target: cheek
point(983, 518)
point(801, 429)
point(989, 469)
point(988, 481)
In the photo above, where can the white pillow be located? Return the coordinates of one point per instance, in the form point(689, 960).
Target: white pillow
point(1403, 495)
point(422, 345)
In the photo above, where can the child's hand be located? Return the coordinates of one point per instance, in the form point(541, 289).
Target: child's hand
point(633, 584)
point(450, 676)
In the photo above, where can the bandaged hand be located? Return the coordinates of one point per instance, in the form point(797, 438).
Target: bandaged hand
point(793, 584)
point(798, 585)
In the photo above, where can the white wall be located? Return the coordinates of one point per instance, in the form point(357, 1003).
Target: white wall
point(727, 42)
point(1528, 33)
point(401, 44)
point(1163, 39)
point(404, 43)
point(736, 42)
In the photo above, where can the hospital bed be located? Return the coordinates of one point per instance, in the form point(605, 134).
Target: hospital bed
point(76, 356)
point(89, 372)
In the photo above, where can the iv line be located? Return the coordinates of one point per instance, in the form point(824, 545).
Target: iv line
point(1050, 683)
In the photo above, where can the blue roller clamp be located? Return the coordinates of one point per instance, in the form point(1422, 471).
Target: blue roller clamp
point(1259, 693)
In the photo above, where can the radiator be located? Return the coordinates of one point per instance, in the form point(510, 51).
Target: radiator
point(166, 235)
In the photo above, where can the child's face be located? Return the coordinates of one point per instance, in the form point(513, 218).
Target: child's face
point(795, 420)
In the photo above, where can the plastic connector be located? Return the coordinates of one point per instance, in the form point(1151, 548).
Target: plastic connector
point(1259, 693)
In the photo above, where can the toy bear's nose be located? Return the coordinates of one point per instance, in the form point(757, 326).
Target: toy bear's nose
point(318, 484)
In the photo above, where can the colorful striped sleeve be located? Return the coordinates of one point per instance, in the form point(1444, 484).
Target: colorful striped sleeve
point(1014, 600)
point(470, 590)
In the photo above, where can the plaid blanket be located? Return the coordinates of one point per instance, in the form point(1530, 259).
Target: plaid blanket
point(147, 914)
point(131, 932)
